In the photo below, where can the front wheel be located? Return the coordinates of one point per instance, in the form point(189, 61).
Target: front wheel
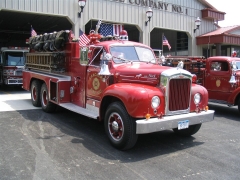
point(189, 131)
point(47, 106)
point(120, 127)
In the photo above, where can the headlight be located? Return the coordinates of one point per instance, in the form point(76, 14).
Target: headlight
point(197, 98)
point(155, 102)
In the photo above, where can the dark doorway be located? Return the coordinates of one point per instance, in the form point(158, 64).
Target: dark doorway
point(15, 27)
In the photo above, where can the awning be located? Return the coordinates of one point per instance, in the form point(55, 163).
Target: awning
point(224, 35)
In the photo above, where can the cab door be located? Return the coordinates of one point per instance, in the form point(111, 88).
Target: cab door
point(217, 80)
point(95, 83)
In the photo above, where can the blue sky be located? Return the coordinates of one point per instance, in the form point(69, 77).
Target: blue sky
point(232, 10)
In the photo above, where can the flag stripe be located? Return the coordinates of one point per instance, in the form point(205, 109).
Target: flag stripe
point(166, 43)
point(33, 32)
point(83, 39)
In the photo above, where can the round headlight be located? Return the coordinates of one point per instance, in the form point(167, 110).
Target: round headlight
point(197, 98)
point(155, 102)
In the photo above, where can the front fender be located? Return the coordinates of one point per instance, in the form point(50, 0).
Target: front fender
point(136, 98)
point(204, 93)
point(233, 96)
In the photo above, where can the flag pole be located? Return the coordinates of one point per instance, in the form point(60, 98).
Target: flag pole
point(162, 43)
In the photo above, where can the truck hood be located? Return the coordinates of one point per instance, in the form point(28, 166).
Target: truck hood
point(143, 73)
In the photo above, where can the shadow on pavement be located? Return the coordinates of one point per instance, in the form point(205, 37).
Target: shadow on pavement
point(78, 131)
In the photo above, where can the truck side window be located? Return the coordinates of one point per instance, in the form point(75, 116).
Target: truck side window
point(96, 56)
point(216, 66)
point(103, 58)
point(219, 66)
point(224, 66)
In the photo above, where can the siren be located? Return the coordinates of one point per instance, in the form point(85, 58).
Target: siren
point(234, 54)
point(123, 35)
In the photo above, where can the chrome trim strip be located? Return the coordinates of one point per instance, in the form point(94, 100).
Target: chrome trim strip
point(50, 75)
point(80, 110)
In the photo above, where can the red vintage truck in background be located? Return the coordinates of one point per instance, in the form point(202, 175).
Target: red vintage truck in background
point(220, 75)
point(12, 61)
point(115, 81)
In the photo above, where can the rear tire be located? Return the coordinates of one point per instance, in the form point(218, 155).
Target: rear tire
point(189, 131)
point(35, 93)
point(47, 106)
point(120, 127)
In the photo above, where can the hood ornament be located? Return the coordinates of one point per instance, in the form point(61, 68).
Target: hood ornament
point(180, 65)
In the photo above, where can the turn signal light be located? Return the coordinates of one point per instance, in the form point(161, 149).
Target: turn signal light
point(147, 116)
point(206, 108)
point(194, 78)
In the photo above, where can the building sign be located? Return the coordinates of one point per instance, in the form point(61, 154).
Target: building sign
point(156, 5)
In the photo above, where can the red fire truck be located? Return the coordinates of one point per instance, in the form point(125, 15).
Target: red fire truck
point(12, 61)
point(220, 75)
point(115, 81)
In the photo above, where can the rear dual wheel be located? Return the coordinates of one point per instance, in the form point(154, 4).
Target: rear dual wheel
point(47, 106)
point(35, 93)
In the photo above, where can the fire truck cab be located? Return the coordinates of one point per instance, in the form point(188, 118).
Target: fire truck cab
point(220, 75)
point(12, 61)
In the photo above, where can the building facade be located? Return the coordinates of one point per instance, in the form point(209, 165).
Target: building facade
point(175, 19)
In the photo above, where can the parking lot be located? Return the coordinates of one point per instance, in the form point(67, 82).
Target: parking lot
point(65, 145)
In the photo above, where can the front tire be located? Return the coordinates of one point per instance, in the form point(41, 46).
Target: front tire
point(47, 106)
point(120, 127)
point(35, 93)
point(189, 131)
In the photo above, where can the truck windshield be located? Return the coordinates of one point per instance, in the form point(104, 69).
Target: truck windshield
point(131, 53)
point(13, 58)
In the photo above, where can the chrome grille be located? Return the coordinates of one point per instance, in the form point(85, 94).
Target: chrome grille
point(179, 94)
point(18, 73)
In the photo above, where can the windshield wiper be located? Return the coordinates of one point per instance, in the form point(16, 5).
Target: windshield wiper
point(122, 59)
point(150, 61)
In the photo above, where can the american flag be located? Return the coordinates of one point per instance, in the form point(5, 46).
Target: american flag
point(166, 43)
point(33, 32)
point(111, 29)
point(83, 39)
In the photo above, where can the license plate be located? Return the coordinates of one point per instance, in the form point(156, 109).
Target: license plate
point(183, 124)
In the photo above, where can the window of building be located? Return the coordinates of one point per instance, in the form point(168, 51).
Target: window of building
point(182, 41)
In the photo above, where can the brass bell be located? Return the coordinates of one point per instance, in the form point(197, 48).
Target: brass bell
point(104, 70)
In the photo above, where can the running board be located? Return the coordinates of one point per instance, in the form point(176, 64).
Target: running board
point(80, 110)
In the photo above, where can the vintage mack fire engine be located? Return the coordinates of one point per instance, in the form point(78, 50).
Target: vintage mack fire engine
point(220, 75)
point(12, 61)
point(115, 81)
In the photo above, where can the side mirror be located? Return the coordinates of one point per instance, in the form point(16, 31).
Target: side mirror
point(84, 56)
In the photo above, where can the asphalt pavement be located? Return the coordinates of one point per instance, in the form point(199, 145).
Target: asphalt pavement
point(67, 146)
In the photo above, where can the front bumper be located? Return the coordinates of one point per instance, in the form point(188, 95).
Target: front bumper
point(144, 126)
point(11, 81)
